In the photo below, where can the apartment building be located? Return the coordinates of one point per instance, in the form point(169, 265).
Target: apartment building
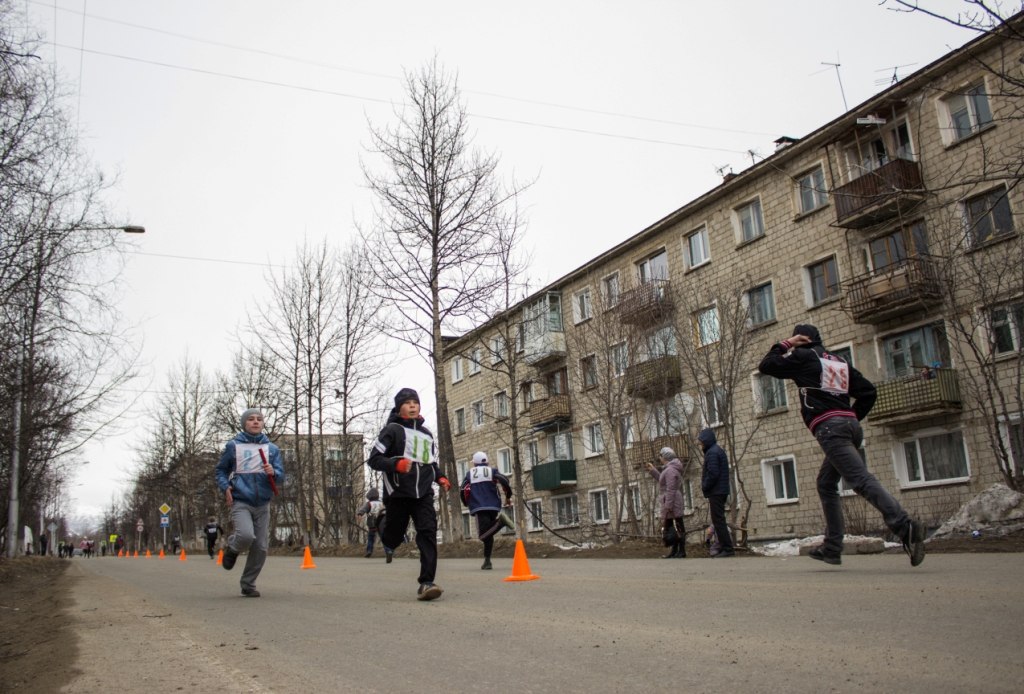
point(895, 229)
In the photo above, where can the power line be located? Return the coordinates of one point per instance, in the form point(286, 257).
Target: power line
point(210, 260)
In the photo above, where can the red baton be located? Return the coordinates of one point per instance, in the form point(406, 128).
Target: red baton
point(270, 478)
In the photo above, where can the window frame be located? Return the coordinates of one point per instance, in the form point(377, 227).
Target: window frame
point(611, 291)
point(474, 361)
point(756, 220)
point(773, 318)
point(535, 515)
point(995, 213)
point(817, 190)
point(603, 504)
point(768, 478)
point(582, 306)
point(504, 458)
point(702, 329)
point(1014, 322)
point(590, 450)
point(574, 504)
point(901, 463)
point(952, 131)
point(589, 374)
point(502, 408)
point(761, 402)
point(457, 370)
point(460, 421)
point(809, 277)
point(700, 233)
point(479, 418)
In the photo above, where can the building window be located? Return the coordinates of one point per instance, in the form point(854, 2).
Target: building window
point(567, 511)
point(780, 480)
point(465, 523)
point(581, 309)
point(1013, 434)
point(610, 290)
point(593, 442)
point(824, 280)
point(499, 350)
point(714, 404)
point(893, 249)
point(478, 413)
point(687, 490)
point(706, 326)
point(456, 369)
point(667, 417)
point(751, 224)
point(474, 362)
point(653, 268)
point(535, 515)
point(505, 461)
point(988, 217)
point(930, 459)
point(462, 467)
point(560, 445)
point(761, 304)
point(769, 393)
point(1007, 328)
point(460, 421)
point(501, 405)
point(588, 372)
point(908, 352)
point(620, 358)
point(844, 353)
point(812, 190)
point(696, 246)
point(531, 454)
point(626, 434)
point(599, 506)
point(542, 317)
point(968, 112)
point(632, 496)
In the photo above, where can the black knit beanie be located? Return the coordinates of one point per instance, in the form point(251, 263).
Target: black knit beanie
point(404, 395)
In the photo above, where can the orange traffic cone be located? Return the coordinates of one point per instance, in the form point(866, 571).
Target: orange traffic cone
point(136, 555)
point(120, 553)
point(220, 558)
point(148, 553)
point(307, 560)
point(161, 553)
point(182, 557)
point(520, 565)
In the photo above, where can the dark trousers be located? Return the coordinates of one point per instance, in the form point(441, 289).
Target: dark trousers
point(485, 521)
point(424, 519)
point(371, 535)
point(211, 543)
point(679, 548)
point(716, 503)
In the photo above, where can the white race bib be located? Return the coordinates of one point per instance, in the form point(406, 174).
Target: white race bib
point(247, 457)
point(835, 376)
point(480, 473)
point(418, 446)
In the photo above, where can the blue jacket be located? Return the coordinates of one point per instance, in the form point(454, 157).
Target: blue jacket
point(242, 453)
point(483, 482)
point(714, 481)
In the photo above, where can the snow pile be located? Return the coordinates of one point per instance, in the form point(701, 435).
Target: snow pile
point(998, 509)
point(791, 548)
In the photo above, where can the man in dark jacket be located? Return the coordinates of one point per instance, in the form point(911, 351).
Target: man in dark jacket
point(714, 482)
point(827, 384)
point(405, 453)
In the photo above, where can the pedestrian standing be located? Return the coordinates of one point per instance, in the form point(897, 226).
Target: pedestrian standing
point(714, 483)
point(670, 496)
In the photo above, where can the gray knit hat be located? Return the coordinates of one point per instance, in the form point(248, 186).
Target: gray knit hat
point(667, 453)
point(248, 413)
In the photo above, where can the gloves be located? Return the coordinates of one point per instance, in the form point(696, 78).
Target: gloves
point(443, 481)
point(402, 465)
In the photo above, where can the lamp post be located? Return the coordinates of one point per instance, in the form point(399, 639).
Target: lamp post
point(13, 514)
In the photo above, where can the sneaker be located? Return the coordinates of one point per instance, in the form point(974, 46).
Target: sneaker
point(724, 554)
point(388, 556)
point(228, 562)
point(368, 554)
point(506, 521)
point(250, 593)
point(820, 554)
point(429, 591)
point(486, 564)
point(913, 543)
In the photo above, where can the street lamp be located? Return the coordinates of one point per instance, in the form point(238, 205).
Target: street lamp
point(12, 506)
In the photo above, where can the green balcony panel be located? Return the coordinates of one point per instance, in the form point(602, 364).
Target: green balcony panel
point(553, 475)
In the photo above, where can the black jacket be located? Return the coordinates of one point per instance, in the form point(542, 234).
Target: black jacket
point(391, 445)
point(826, 382)
point(714, 481)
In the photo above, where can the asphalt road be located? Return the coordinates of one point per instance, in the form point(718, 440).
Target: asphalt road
point(875, 624)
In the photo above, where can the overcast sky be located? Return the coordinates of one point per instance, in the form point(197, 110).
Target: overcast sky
point(235, 129)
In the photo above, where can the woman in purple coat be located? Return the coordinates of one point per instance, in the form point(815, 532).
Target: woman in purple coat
point(670, 480)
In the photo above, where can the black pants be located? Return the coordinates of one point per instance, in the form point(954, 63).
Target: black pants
point(424, 519)
point(485, 521)
point(679, 548)
point(716, 502)
point(211, 542)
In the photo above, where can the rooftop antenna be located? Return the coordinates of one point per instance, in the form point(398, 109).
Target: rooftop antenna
point(895, 74)
point(721, 170)
point(840, 78)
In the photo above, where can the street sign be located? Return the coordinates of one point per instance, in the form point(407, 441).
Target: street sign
point(165, 521)
point(165, 509)
point(138, 528)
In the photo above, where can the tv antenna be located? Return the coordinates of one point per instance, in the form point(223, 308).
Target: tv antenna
point(840, 79)
point(895, 74)
point(721, 170)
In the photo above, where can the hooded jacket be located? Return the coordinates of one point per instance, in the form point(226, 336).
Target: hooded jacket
point(483, 481)
point(714, 480)
point(406, 438)
point(826, 382)
point(241, 468)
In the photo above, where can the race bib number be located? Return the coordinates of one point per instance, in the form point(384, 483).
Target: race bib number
point(481, 473)
point(835, 376)
point(418, 446)
point(247, 457)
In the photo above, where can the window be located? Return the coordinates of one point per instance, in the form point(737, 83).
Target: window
point(988, 217)
point(593, 442)
point(610, 290)
point(501, 405)
point(653, 268)
point(687, 490)
point(706, 326)
point(456, 369)
point(812, 190)
point(893, 249)
point(1013, 434)
point(667, 417)
point(761, 304)
point(560, 446)
point(620, 358)
point(824, 280)
point(505, 461)
point(567, 511)
point(462, 466)
point(534, 515)
point(557, 382)
point(581, 309)
point(908, 352)
point(531, 454)
point(588, 372)
point(460, 421)
point(474, 362)
point(478, 413)
point(661, 343)
point(870, 153)
point(968, 112)
point(499, 350)
point(528, 395)
point(769, 393)
point(599, 506)
point(780, 480)
point(542, 317)
point(929, 459)
point(626, 434)
point(1007, 328)
point(751, 225)
point(844, 353)
point(633, 497)
point(696, 246)
point(465, 523)
point(714, 404)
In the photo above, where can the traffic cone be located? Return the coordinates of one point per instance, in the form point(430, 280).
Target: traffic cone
point(120, 553)
point(307, 560)
point(161, 553)
point(136, 555)
point(182, 557)
point(520, 565)
point(148, 553)
point(220, 558)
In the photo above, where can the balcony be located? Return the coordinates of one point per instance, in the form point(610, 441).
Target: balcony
point(876, 297)
point(545, 348)
point(933, 392)
point(655, 378)
point(643, 452)
point(549, 411)
point(557, 473)
point(889, 190)
point(648, 304)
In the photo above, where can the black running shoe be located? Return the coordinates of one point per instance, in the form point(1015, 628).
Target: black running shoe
point(429, 591)
point(250, 593)
point(486, 564)
point(388, 556)
point(913, 542)
point(230, 556)
point(820, 554)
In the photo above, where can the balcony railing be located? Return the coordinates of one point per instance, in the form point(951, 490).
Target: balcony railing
point(557, 473)
point(655, 378)
point(930, 392)
point(643, 452)
point(899, 289)
point(649, 303)
point(549, 410)
point(879, 195)
point(546, 347)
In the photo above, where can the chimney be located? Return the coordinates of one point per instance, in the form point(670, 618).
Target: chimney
point(783, 142)
point(729, 176)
